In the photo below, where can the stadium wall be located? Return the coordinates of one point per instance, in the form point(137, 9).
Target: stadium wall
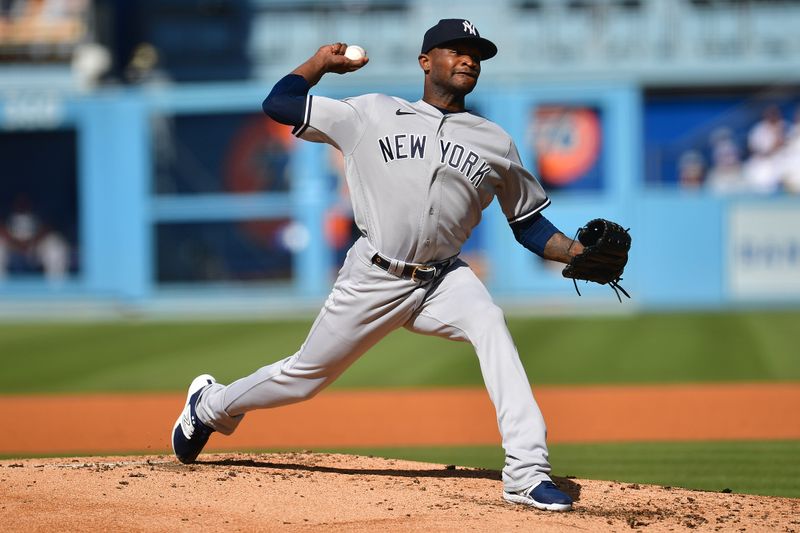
point(692, 249)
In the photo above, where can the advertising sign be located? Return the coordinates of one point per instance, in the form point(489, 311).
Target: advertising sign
point(764, 252)
point(568, 145)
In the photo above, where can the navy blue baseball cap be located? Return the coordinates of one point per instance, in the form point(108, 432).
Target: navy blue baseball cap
point(448, 30)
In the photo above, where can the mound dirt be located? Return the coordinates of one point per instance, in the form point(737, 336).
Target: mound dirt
point(328, 492)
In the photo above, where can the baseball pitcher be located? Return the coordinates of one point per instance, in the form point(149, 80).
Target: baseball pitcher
point(419, 174)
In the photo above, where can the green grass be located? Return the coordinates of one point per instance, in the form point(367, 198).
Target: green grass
point(646, 348)
point(769, 468)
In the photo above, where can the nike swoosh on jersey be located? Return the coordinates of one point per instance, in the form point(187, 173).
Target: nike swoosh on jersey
point(401, 112)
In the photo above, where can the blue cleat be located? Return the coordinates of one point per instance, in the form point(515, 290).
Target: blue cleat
point(544, 495)
point(189, 435)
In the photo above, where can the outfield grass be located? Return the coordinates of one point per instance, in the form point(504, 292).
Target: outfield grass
point(769, 468)
point(647, 348)
point(162, 356)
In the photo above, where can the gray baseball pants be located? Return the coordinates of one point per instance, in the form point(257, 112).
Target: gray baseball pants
point(365, 305)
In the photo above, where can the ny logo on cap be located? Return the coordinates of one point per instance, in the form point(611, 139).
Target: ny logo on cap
point(469, 27)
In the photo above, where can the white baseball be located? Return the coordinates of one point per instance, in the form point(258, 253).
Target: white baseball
point(354, 52)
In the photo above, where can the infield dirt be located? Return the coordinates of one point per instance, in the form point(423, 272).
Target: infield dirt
point(132, 423)
point(323, 492)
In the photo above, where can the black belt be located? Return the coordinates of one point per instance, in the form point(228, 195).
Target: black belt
point(415, 272)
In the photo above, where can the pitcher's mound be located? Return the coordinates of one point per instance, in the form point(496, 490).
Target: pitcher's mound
point(326, 492)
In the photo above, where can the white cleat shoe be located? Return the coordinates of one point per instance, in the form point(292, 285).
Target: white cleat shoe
point(544, 495)
point(189, 434)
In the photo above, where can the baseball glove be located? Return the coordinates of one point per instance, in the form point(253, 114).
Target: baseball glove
point(605, 254)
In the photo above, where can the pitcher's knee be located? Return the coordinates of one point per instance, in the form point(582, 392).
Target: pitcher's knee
point(314, 388)
point(490, 318)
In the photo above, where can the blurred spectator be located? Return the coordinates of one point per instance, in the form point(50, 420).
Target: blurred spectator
point(725, 175)
point(790, 158)
point(691, 169)
point(42, 30)
point(765, 140)
point(25, 240)
point(144, 66)
point(89, 62)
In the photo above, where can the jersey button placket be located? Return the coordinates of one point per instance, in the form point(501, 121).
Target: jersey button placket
point(429, 224)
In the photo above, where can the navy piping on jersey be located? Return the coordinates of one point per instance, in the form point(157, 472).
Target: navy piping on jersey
point(534, 232)
point(444, 111)
point(303, 126)
point(520, 218)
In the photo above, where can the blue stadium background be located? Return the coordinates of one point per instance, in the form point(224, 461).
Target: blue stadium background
point(133, 131)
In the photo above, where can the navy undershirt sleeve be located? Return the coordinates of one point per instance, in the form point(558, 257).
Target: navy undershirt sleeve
point(286, 103)
point(534, 232)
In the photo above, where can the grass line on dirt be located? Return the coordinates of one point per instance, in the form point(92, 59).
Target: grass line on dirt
point(769, 468)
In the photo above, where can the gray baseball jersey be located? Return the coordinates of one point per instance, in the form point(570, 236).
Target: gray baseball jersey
point(419, 180)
